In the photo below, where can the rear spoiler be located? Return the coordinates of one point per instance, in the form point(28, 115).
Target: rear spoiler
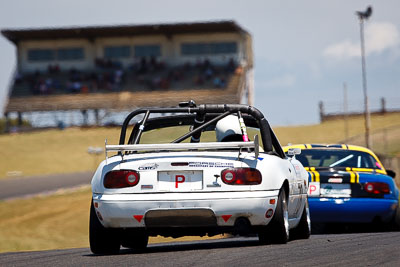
point(185, 146)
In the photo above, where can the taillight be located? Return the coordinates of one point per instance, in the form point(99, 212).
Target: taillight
point(241, 176)
point(377, 188)
point(121, 179)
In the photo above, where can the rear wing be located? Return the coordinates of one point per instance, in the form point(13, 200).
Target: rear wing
point(185, 146)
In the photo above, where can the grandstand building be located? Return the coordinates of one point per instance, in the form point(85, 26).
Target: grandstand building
point(130, 66)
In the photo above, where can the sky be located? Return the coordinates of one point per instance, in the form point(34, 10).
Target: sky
point(304, 50)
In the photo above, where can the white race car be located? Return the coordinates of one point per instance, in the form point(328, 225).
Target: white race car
point(192, 185)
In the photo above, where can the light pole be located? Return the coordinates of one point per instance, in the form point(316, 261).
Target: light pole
point(364, 16)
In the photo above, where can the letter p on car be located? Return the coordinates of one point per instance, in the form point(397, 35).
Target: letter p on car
point(179, 179)
point(313, 189)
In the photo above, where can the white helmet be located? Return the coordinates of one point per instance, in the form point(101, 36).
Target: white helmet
point(228, 128)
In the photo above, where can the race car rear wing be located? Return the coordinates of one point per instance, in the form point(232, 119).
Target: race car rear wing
point(186, 146)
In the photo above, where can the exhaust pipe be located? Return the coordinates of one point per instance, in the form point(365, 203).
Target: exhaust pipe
point(242, 227)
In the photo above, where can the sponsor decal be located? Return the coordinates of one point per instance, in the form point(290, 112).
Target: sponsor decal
point(211, 164)
point(215, 183)
point(148, 167)
point(259, 158)
point(297, 170)
point(147, 186)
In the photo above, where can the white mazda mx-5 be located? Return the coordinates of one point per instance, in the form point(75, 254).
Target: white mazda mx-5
point(193, 170)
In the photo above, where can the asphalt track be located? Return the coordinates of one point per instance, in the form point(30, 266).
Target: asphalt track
point(19, 187)
point(362, 249)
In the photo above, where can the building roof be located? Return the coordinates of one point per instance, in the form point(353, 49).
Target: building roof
point(91, 32)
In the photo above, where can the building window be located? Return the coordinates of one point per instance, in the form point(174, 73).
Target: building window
point(122, 51)
point(41, 55)
point(147, 50)
point(208, 48)
point(70, 53)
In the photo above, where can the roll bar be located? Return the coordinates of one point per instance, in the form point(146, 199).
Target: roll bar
point(267, 135)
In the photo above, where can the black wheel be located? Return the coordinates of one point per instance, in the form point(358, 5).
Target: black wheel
point(396, 219)
point(135, 239)
point(102, 240)
point(303, 229)
point(277, 231)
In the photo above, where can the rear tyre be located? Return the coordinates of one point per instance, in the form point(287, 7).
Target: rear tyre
point(303, 229)
point(102, 240)
point(135, 239)
point(277, 232)
point(396, 219)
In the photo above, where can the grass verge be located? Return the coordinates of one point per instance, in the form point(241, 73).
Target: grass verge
point(55, 221)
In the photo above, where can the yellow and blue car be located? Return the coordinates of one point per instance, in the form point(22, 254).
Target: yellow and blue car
point(348, 184)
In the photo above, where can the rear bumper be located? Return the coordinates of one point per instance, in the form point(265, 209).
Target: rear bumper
point(351, 210)
point(184, 209)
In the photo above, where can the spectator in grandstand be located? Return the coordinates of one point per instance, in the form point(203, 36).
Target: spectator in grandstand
point(209, 73)
point(100, 80)
point(206, 64)
point(135, 65)
point(74, 87)
point(108, 81)
point(108, 64)
point(175, 74)
point(53, 68)
point(84, 89)
point(43, 89)
point(153, 64)
point(93, 83)
point(164, 83)
point(56, 84)
point(231, 66)
point(217, 82)
point(118, 76)
point(75, 75)
point(117, 65)
point(223, 82)
point(49, 84)
point(99, 62)
point(187, 65)
point(156, 82)
point(198, 79)
point(143, 66)
point(18, 78)
point(199, 64)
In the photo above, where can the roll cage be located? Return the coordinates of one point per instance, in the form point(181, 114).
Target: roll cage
point(200, 118)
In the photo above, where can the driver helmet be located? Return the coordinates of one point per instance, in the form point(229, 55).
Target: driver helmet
point(228, 129)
